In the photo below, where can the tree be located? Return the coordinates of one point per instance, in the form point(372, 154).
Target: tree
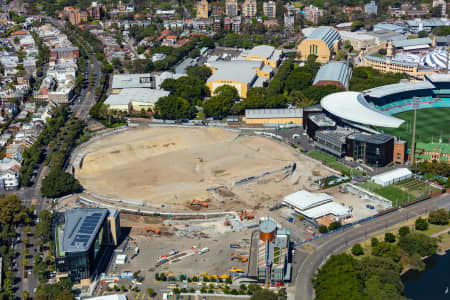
point(339, 278)
point(200, 72)
point(389, 237)
point(404, 230)
point(298, 80)
point(59, 183)
point(217, 107)
point(357, 249)
point(384, 249)
point(422, 34)
point(356, 25)
point(228, 91)
point(323, 229)
point(174, 108)
point(12, 211)
point(439, 217)
point(334, 225)
point(264, 294)
point(421, 224)
point(419, 243)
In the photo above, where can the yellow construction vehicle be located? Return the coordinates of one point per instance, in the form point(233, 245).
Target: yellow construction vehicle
point(235, 270)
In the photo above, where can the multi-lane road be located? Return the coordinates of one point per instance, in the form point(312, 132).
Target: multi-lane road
point(307, 264)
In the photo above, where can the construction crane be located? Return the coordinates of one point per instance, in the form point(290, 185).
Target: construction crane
point(199, 203)
point(245, 215)
point(238, 256)
point(151, 229)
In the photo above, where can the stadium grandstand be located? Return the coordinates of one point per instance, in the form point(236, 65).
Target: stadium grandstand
point(375, 107)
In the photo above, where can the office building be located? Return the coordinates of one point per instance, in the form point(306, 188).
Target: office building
point(249, 8)
point(202, 9)
point(400, 155)
point(84, 241)
point(373, 149)
point(270, 9)
point(231, 8)
point(371, 8)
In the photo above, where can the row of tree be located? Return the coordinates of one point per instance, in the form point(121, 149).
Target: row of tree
point(375, 276)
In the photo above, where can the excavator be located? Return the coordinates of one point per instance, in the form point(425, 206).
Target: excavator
point(151, 229)
point(235, 270)
point(245, 215)
point(238, 256)
point(199, 203)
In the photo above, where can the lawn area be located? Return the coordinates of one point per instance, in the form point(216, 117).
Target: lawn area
point(431, 122)
point(400, 192)
point(332, 162)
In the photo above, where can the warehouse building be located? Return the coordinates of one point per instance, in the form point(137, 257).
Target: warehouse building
point(317, 207)
point(127, 81)
point(274, 116)
point(241, 74)
point(322, 42)
point(268, 54)
point(84, 241)
point(391, 177)
point(134, 99)
point(334, 73)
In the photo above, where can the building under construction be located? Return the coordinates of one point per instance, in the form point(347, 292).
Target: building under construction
point(273, 253)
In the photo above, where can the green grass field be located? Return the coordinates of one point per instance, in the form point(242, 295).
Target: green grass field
point(430, 124)
point(400, 192)
point(332, 162)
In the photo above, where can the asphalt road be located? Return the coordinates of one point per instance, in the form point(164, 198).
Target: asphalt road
point(339, 241)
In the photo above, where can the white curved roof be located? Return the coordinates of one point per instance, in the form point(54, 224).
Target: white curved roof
point(353, 107)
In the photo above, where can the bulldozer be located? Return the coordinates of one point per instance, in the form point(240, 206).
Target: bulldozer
point(153, 230)
point(238, 256)
point(245, 215)
point(199, 203)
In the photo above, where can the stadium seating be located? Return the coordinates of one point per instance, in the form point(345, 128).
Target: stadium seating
point(406, 105)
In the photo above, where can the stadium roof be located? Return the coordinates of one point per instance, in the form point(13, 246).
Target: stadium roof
point(438, 77)
point(81, 227)
point(334, 71)
point(237, 70)
point(304, 200)
point(327, 34)
point(273, 113)
point(122, 81)
point(352, 106)
point(261, 50)
point(397, 88)
point(412, 42)
point(325, 209)
point(136, 94)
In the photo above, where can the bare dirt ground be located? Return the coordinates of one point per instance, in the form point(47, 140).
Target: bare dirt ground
point(173, 166)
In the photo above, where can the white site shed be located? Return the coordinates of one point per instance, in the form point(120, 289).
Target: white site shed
point(330, 208)
point(391, 177)
point(303, 200)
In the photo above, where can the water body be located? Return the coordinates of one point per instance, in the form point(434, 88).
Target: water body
point(432, 282)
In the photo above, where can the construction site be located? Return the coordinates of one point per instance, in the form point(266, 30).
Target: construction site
point(194, 168)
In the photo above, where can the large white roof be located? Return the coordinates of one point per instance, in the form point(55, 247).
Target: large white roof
point(353, 107)
point(304, 200)
point(325, 209)
point(136, 94)
point(110, 297)
point(391, 175)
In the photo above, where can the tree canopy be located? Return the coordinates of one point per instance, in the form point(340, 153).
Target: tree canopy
point(174, 108)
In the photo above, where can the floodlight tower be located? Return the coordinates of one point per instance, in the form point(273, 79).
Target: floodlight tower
point(413, 144)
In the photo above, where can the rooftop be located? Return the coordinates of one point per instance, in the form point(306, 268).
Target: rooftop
point(397, 88)
point(122, 81)
point(304, 200)
point(322, 120)
point(81, 227)
point(273, 113)
point(327, 34)
point(391, 175)
point(434, 147)
point(235, 70)
point(391, 61)
point(412, 42)
point(352, 106)
point(438, 77)
point(136, 94)
point(332, 208)
point(373, 138)
point(261, 50)
point(334, 71)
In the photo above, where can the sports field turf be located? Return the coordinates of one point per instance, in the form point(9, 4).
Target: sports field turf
point(430, 124)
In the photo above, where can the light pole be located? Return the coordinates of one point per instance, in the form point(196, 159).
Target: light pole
point(415, 105)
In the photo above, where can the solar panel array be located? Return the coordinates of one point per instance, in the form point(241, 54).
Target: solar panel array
point(86, 229)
